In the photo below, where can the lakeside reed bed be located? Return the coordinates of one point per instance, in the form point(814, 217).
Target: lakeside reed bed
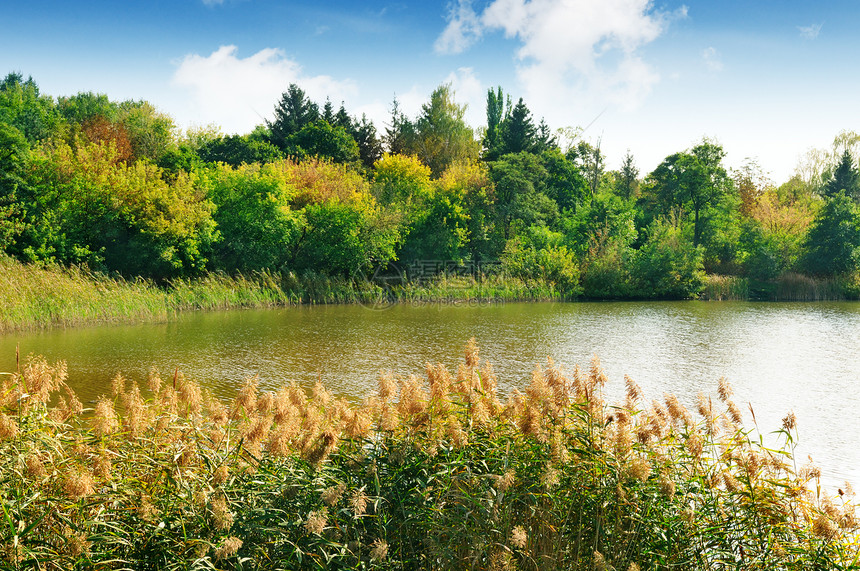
point(37, 296)
point(433, 473)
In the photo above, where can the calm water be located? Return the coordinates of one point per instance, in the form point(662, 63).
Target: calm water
point(779, 357)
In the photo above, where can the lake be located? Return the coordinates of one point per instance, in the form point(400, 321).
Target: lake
point(778, 356)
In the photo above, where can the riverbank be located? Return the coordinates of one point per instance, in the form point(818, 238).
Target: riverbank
point(40, 297)
point(436, 473)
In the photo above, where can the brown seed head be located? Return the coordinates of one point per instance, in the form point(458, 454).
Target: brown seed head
point(8, 427)
point(597, 376)
point(219, 476)
point(332, 494)
point(724, 389)
point(640, 469)
point(471, 353)
point(102, 466)
point(379, 551)
point(734, 412)
point(358, 501)
point(229, 548)
point(316, 522)
point(633, 393)
point(221, 516)
point(104, 420)
point(825, 527)
point(246, 401)
point(153, 381)
point(519, 537)
point(78, 484)
point(600, 562)
point(667, 486)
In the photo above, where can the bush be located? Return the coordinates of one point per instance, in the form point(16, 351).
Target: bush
point(667, 266)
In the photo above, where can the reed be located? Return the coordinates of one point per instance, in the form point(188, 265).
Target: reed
point(432, 473)
point(39, 296)
point(725, 288)
point(798, 287)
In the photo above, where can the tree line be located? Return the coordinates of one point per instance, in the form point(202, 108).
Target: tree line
point(117, 187)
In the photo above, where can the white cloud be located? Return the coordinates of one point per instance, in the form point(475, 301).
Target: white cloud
point(712, 59)
point(585, 49)
point(239, 93)
point(463, 29)
point(469, 90)
point(213, 2)
point(810, 32)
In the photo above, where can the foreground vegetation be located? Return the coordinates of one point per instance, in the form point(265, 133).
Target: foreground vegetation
point(436, 474)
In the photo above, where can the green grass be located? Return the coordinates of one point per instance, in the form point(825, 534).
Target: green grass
point(432, 474)
point(36, 296)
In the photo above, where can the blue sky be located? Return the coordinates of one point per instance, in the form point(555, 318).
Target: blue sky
point(767, 79)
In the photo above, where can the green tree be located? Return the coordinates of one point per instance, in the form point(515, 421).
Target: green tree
point(520, 184)
point(293, 112)
point(151, 133)
point(833, 242)
point(627, 182)
point(845, 178)
point(441, 134)
point(83, 205)
point(345, 238)
point(258, 228)
point(667, 266)
point(401, 181)
point(369, 145)
point(538, 254)
point(319, 139)
point(564, 182)
point(693, 181)
point(517, 133)
point(544, 140)
point(498, 109)
point(14, 152)
point(25, 108)
point(237, 149)
point(399, 135)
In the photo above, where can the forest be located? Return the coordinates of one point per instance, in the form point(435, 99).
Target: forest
point(118, 188)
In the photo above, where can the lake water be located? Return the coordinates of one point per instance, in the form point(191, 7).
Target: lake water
point(778, 356)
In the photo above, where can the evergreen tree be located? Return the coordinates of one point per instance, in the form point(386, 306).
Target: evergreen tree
point(627, 177)
point(342, 119)
point(518, 133)
point(293, 112)
point(328, 112)
point(845, 178)
point(369, 145)
point(833, 242)
point(544, 139)
point(400, 132)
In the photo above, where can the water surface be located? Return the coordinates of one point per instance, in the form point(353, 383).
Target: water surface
point(779, 356)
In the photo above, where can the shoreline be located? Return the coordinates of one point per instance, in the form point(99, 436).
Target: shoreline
point(56, 297)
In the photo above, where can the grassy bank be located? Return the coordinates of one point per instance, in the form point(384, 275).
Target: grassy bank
point(35, 296)
point(432, 474)
point(789, 286)
point(39, 297)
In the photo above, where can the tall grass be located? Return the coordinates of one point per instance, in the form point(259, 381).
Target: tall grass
point(798, 287)
point(432, 474)
point(33, 296)
point(725, 288)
